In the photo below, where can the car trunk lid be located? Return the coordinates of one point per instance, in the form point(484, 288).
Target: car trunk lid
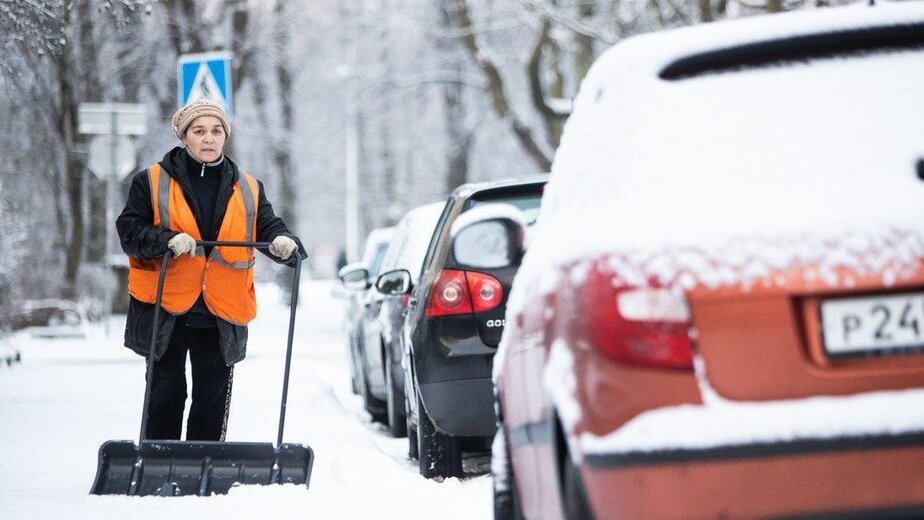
point(792, 335)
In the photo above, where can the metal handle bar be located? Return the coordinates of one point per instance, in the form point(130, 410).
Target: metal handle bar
point(213, 243)
point(156, 325)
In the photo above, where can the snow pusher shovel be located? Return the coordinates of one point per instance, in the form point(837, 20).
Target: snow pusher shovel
point(177, 468)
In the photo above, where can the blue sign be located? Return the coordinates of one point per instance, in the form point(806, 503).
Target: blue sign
point(205, 76)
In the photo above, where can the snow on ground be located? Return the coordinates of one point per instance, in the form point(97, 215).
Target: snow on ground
point(68, 396)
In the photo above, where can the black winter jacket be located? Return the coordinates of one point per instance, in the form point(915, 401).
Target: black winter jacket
point(141, 239)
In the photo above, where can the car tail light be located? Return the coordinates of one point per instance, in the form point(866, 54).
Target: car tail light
point(462, 292)
point(642, 326)
point(487, 292)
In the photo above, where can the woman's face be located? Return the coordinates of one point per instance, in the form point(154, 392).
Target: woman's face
point(205, 138)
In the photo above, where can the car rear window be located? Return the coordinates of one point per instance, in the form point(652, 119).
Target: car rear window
point(804, 48)
point(528, 203)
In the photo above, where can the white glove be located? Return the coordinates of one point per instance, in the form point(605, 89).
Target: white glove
point(182, 244)
point(282, 247)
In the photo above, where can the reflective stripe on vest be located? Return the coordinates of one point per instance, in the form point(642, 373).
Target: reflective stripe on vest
point(225, 279)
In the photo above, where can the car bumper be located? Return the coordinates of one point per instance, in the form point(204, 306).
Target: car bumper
point(463, 407)
point(868, 477)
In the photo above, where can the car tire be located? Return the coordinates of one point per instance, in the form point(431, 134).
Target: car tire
point(375, 407)
point(394, 403)
point(574, 500)
point(506, 501)
point(439, 455)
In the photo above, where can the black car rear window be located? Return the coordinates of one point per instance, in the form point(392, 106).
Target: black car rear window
point(528, 203)
point(797, 49)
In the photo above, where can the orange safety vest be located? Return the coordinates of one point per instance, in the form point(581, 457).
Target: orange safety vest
point(225, 278)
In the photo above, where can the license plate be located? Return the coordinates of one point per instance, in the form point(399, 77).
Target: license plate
point(875, 324)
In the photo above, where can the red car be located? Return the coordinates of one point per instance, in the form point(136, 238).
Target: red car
point(720, 313)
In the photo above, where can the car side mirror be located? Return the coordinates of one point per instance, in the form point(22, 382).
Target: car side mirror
point(489, 237)
point(394, 282)
point(354, 276)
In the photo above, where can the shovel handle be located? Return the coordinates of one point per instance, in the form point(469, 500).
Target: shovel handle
point(156, 325)
point(153, 345)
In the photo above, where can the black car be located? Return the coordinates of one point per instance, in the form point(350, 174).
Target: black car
point(454, 324)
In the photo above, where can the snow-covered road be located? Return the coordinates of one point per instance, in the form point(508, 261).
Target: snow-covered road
point(68, 396)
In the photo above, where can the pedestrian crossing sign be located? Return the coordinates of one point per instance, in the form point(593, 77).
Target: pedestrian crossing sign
point(205, 76)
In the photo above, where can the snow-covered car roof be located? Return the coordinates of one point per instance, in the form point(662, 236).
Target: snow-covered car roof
point(373, 239)
point(726, 175)
point(411, 239)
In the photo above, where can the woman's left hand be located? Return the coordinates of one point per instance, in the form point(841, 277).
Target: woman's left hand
point(282, 247)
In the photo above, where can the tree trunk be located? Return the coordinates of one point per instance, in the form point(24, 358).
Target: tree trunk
point(584, 43)
point(459, 141)
point(496, 89)
point(705, 10)
point(73, 170)
point(774, 6)
point(553, 121)
point(283, 152)
point(184, 26)
point(240, 20)
point(93, 212)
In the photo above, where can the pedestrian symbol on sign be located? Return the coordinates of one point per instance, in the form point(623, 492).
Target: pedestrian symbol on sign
point(205, 76)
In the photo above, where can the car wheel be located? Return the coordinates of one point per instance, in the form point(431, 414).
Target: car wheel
point(506, 500)
point(438, 454)
point(575, 498)
point(375, 407)
point(397, 422)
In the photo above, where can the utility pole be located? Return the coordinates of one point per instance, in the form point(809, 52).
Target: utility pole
point(351, 165)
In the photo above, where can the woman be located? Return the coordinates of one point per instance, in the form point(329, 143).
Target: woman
point(196, 193)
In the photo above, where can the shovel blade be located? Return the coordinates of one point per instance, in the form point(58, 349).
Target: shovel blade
point(180, 468)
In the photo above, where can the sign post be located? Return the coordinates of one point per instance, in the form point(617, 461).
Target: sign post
point(205, 76)
point(112, 156)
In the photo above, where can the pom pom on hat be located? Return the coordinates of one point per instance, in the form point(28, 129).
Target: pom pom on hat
point(186, 115)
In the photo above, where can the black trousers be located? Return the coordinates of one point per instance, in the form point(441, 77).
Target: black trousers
point(211, 392)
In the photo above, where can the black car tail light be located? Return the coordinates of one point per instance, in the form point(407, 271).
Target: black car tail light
point(463, 292)
point(487, 292)
point(641, 326)
point(449, 295)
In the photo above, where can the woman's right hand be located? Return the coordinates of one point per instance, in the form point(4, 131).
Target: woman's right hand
point(182, 244)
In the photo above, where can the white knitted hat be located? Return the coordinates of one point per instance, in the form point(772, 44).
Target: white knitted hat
point(186, 115)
